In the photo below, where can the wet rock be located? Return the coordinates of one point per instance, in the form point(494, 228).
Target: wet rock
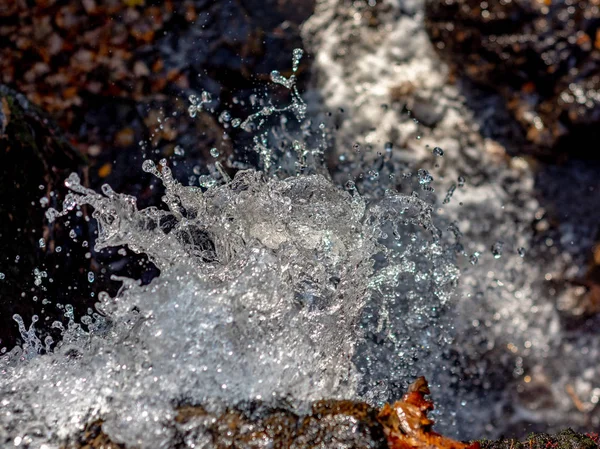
point(41, 265)
point(329, 424)
point(542, 56)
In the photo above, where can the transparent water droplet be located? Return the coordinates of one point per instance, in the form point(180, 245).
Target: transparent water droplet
point(461, 181)
point(206, 97)
point(206, 181)
point(236, 122)
point(2, 276)
point(72, 233)
point(497, 249)
point(58, 249)
point(350, 185)
point(42, 243)
point(225, 117)
point(179, 151)
point(437, 151)
point(388, 147)
point(296, 57)
point(148, 166)
point(474, 258)
point(90, 276)
point(521, 251)
point(425, 177)
point(214, 152)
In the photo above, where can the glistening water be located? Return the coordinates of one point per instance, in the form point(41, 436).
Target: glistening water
point(287, 284)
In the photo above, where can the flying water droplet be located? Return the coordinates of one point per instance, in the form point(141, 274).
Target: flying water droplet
point(214, 152)
point(90, 277)
point(437, 151)
point(497, 249)
point(148, 166)
point(296, 57)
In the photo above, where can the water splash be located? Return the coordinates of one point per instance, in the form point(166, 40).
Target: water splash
point(271, 284)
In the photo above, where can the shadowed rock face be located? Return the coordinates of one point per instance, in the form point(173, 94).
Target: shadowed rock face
point(35, 159)
point(542, 56)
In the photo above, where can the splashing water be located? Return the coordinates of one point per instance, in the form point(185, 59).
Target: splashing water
point(265, 281)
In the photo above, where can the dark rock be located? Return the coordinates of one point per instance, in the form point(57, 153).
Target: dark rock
point(542, 56)
point(35, 159)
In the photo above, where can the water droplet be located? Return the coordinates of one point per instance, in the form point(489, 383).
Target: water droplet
point(521, 251)
point(296, 57)
point(474, 258)
point(214, 152)
point(2, 276)
point(425, 177)
point(206, 97)
point(42, 243)
point(179, 151)
point(90, 276)
point(497, 249)
point(148, 166)
point(437, 151)
point(206, 181)
point(461, 181)
point(72, 233)
point(350, 185)
point(388, 147)
point(225, 117)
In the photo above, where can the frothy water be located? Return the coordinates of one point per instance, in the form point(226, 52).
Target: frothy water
point(290, 284)
point(263, 293)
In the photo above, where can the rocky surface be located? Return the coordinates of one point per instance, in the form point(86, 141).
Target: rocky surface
point(40, 264)
point(329, 424)
point(542, 56)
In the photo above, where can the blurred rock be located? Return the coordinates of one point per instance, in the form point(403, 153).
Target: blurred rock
point(542, 56)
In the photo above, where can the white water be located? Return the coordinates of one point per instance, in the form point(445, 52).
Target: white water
point(264, 279)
